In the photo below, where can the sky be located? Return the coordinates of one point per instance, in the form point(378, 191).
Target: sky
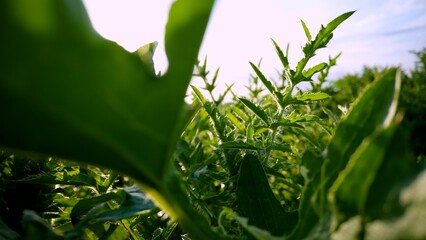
point(380, 33)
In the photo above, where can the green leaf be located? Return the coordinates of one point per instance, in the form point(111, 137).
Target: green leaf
point(325, 34)
point(374, 170)
point(408, 225)
point(146, 54)
point(310, 170)
point(311, 96)
point(86, 204)
point(199, 95)
point(6, 233)
point(285, 123)
point(280, 147)
point(240, 113)
point(298, 76)
point(306, 30)
point(253, 190)
point(256, 232)
point(81, 97)
point(283, 58)
point(114, 111)
point(321, 40)
point(256, 110)
point(315, 69)
point(235, 121)
point(135, 202)
point(238, 145)
point(268, 84)
point(47, 178)
point(368, 113)
point(351, 188)
point(308, 136)
point(264, 80)
point(36, 228)
point(293, 118)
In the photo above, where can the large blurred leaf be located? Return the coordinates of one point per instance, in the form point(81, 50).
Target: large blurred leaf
point(7, 233)
point(378, 166)
point(370, 112)
point(36, 227)
point(66, 91)
point(410, 225)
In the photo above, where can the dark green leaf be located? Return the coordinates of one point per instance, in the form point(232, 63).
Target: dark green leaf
point(254, 190)
point(308, 217)
point(368, 113)
point(377, 167)
point(36, 228)
point(6, 233)
point(256, 232)
point(81, 97)
point(238, 145)
point(410, 224)
point(86, 204)
point(285, 123)
point(135, 202)
point(280, 147)
point(47, 178)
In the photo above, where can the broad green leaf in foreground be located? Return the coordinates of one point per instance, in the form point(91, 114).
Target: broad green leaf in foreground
point(369, 113)
point(68, 92)
point(377, 167)
point(36, 228)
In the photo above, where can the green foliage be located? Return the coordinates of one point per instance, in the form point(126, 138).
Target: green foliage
point(99, 104)
point(280, 163)
point(255, 191)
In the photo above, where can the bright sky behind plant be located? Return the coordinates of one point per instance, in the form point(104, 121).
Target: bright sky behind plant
point(380, 33)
